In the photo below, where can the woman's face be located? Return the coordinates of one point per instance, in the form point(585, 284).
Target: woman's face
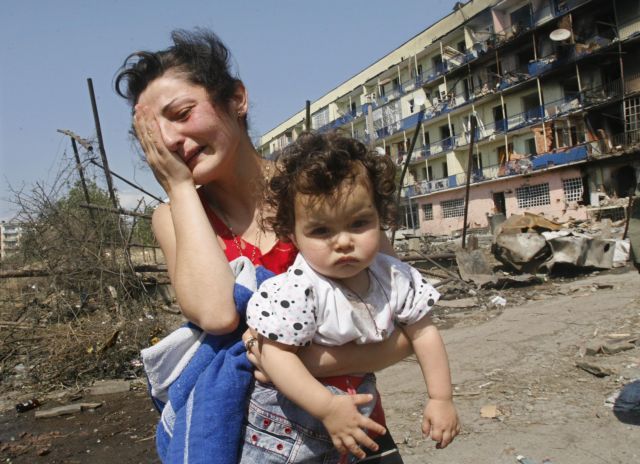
point(206, 136)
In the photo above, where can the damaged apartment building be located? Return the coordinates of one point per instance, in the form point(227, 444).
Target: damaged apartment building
point(554, 86)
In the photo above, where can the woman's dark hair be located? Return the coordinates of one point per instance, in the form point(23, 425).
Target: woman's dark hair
point(198, 55)
point(317, 164)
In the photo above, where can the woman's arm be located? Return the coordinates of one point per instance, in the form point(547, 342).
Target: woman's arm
point(199, 271)
point(324, 361)
point(197, 266)
point(338, 413)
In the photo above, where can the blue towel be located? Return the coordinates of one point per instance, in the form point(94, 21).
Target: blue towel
point(200, 384)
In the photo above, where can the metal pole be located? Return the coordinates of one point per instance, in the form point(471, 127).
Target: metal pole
point(473, 124)
point(81, 173)
point(307, 119)
point(137, 187)
point(103, 155)
point(416, 132)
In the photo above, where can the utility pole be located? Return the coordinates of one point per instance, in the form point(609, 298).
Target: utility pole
point(103, 154)
point(473, 125)
point(416, 132)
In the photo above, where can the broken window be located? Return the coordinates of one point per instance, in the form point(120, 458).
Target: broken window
point(427, 209)
point(632, 114)
point(452, 208)
point(533, 195)
point(573, 189)
point(387, 119)
point(320, 118)
point(409, 216)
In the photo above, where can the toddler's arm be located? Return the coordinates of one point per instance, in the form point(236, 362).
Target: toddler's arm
point(440, 419)
point(338, 413)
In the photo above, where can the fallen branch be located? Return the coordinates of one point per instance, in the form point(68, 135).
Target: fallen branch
point(45, 273)
point(116, 211)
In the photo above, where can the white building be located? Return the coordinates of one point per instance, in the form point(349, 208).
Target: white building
point(10, 233)
point(553, 84)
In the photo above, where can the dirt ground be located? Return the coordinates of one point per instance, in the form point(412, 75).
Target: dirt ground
point(519, 360)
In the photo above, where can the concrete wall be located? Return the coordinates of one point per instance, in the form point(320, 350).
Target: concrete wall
point(481, 201)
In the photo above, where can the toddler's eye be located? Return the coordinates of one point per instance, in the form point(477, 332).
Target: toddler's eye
point(319, 231)
point(359, 223)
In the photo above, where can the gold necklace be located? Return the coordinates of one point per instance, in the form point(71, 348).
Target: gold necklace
point(236, 238)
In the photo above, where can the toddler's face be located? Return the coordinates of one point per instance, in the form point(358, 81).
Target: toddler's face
point(339, 235)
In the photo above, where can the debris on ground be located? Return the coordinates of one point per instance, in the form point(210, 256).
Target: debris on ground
point(67, 409)
point(27, 405)
point(490, 411)
point(530, 243)
point(106, 387)
point(594, 369)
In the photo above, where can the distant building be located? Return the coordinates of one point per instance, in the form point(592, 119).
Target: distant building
point(10, 233)
point(554, 86)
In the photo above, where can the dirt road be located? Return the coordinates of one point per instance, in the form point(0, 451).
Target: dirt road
point(522, 360)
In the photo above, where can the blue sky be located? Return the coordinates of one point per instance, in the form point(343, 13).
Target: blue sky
point(286, 52)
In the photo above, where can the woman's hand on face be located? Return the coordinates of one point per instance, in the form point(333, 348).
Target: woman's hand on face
point(167, 166)
point(250, 338)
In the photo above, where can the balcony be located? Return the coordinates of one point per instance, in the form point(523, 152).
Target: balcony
point(543, 14)
point(571, 155)
point(442, 145)
point(563, 6)
point(524, 119)
point(629, 28)
point(433, 73)
point(455, 58)
point(514, 167)
point(408, 123)
point(590, 96)
point(391, 95)
point(513, 77)
point(424, 187)
point(509, 33)
point(628, 139)
point(601, 94)
point(418, 154)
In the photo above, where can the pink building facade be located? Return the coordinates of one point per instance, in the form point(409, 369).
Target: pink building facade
point(556, 194)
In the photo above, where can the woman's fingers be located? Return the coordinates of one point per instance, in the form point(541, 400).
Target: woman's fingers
point(373, 426)
point(143, 133)
point(250, 341)
point(365, 440)
point(353, 447)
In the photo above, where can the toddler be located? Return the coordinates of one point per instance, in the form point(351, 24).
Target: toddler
point(331, 197)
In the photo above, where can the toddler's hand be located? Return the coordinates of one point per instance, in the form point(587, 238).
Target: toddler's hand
point(440, 421)
point(345, 424)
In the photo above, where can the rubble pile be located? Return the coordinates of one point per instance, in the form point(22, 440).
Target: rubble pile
point(48, 343)
point(531, 243)
point(518, 263)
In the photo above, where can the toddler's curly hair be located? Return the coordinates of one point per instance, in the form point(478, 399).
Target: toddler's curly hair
point(317, 164)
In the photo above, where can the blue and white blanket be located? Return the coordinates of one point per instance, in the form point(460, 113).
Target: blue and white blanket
point(200, 384)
